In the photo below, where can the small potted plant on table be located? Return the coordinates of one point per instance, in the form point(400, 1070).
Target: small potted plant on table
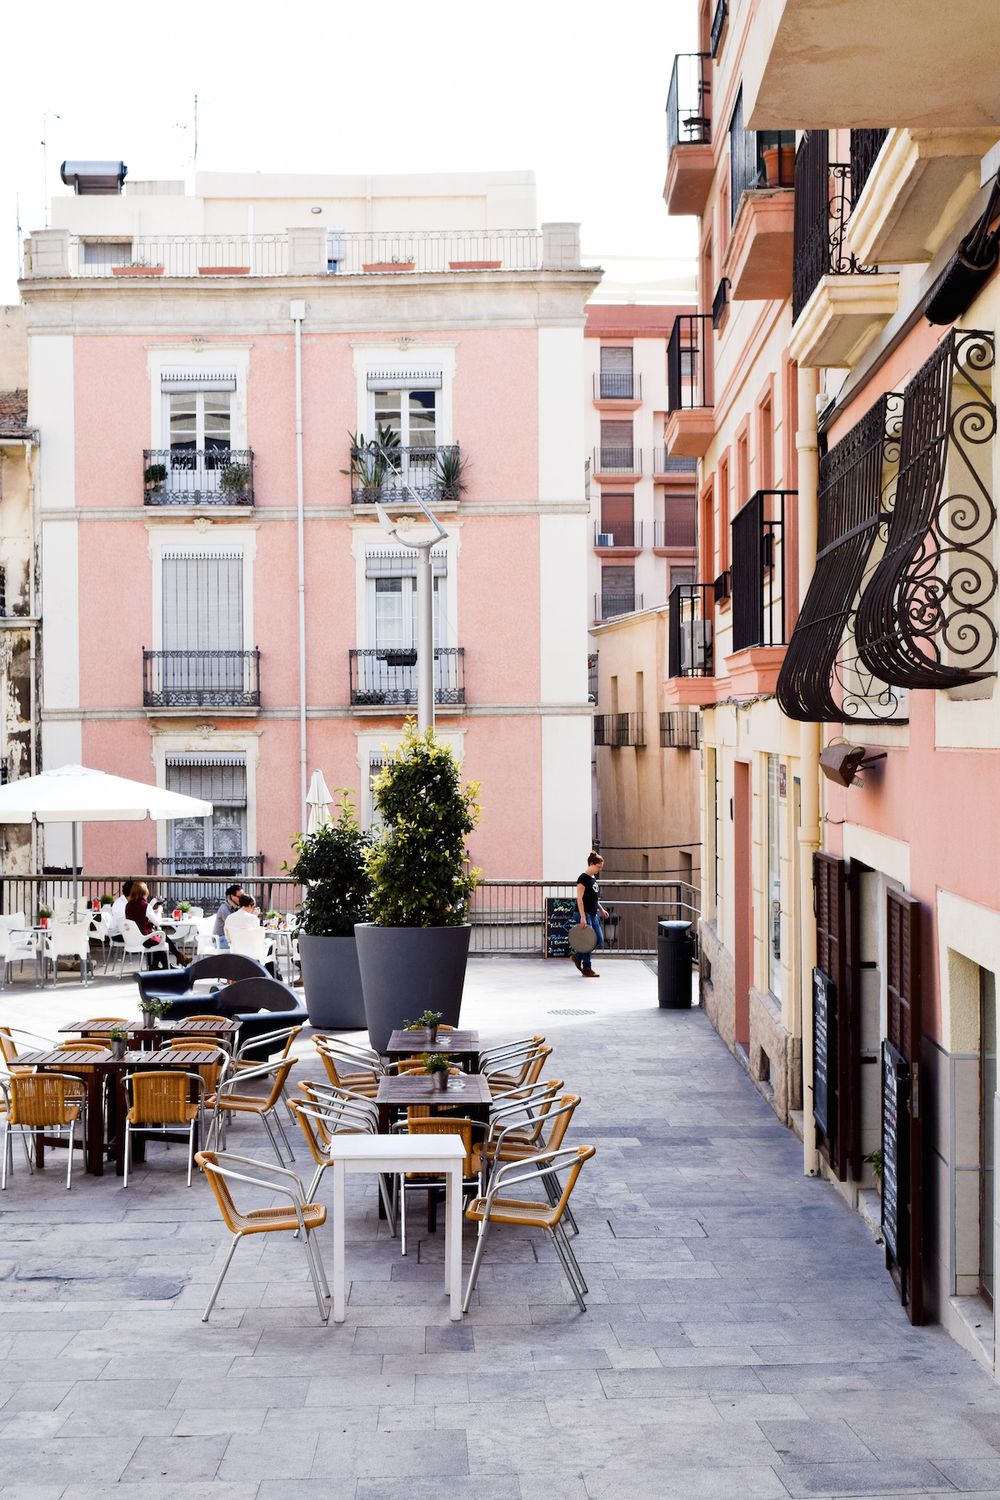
point(44, 916)
point(438, 1067)
point(118, 1041)
point(153, 1010)
point(429, 1022)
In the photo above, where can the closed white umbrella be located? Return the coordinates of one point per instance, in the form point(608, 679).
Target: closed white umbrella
point(318, 799)
point(77, 794)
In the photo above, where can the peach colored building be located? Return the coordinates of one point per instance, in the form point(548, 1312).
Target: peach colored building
point(201, 366)
point(879, 703)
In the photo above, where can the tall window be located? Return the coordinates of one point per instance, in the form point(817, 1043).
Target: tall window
point(198, 427)
point(617, 590)
point(216, 843)
point(410, 412)
point(202, 612)
point(617, 519)
point(723, 538)
point(616, 446)
point(742, 470)
point(616, 373)
point(774, 876)
point(765, 444)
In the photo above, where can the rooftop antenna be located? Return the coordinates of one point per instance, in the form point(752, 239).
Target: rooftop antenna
point(46, 116)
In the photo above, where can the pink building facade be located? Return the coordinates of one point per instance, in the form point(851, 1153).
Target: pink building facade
point(205, 397)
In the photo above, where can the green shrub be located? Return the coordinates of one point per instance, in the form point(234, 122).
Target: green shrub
point(331, 866)
point(419, 864)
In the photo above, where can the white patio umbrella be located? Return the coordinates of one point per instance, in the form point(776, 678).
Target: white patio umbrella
point(318, 799)
point(77, 794)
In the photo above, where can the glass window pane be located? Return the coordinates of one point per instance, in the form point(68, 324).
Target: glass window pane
point(388, 410)
point(422, 419)
point(389, 615)
point(217, 419)
point(183, 420)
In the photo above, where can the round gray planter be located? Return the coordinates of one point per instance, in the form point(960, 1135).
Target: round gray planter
point(332, 983)
point(407, 970)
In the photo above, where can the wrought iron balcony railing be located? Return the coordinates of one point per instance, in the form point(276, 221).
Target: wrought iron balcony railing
point(719, 26)
point(617, 385)
point(197, 476)
point(679, 527)
point(689, 116)
point(680, 729)
point(688, 369)
point(865, 147)
point(616, 730)
point(379, 474)
point(204, 864)
point(824, 198)
point(201, 679)
point(758, 570)
point(386, 676)
point(670, 463)
point(617, 458)
point(609, 606)
point(618, 534)
point(690, 630)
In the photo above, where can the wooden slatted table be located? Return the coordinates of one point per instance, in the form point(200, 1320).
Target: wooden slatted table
point(463, 1046)
point(467, 1093)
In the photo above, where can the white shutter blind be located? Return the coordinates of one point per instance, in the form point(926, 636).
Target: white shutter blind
point(219, 779)
point(202, 601)
point(402, 564)
point(405, 380)
point(198, 380)
point(616, 361)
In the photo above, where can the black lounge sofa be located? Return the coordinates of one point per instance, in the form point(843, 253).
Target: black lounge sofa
point(261, 1004)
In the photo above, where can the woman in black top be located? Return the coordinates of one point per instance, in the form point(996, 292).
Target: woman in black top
point(588, 889)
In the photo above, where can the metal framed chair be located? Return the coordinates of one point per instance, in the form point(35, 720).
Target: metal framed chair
point(41, 1104)
point(218, 1060)
point(517, 1135)
point(11, 1039)
point(299, 1217)
point(506, 1075)
point(159, 1102)
point(320, 1120)
point(346, 1071)
point(497, 1207)
point(230, 1098)
point(421, 1182)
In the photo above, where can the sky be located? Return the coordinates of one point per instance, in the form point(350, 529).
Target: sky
point(574, 89)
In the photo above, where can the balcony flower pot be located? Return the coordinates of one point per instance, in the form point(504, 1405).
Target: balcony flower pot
point(403, 968)
point(223, 270)
point(406, 658)
point(389, 265)
point(779, 166)
point(474, 265)
point(137, 270)
point(331, 980)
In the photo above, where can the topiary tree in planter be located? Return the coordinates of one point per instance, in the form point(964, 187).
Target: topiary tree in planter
point(413, 952)
point(332, 866)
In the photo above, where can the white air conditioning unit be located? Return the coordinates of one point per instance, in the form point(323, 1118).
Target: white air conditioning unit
point(696, 645)
point(605, 539)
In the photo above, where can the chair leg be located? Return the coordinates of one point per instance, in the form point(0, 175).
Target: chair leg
point(281, 1131)
point(190, 1152)
point(69, 1156)
point(569, 1274)
point(128, 1152)
point(574, 1263)
point(387, 1204)
point(222, 1276)
point(314, 1183)
point(271, 1136)
point(477, 1260)
point(7, 1153)
point(312, 1241)
point(324, 1311)
point(402, 1214)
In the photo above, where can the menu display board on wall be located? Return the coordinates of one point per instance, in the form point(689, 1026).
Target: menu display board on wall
point(560, 915)
point(895, 1152)
point(824, 1050)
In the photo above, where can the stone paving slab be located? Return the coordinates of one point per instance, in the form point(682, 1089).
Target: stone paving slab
point(741, 1338)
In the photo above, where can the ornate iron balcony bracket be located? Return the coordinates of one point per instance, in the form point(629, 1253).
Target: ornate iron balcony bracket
point(927, 617)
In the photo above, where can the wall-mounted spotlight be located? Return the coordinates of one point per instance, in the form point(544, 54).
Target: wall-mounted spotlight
point(841, 762)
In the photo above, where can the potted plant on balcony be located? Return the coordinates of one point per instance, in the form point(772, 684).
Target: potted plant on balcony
point(449, 473)
point(154, 478)
point(414, 950)
point(332, 867)
point(234, 482)
point(395, 263)
point(137, 268)
point(779, 164)
point(372, 460)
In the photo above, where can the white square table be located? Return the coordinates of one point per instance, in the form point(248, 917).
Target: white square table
point(440, 1154)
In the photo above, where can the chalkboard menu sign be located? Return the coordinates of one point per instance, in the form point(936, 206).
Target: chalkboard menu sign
point(560, 915)
point(895, 1153)
point(824, 1052)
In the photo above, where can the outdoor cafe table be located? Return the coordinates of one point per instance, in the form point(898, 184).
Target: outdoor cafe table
point(468, 1093)
point(92, 1069)
point(463, 1046)
point(152, 1034)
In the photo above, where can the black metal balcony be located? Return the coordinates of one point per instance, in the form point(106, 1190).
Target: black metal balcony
point(669, 463)
point(824, 198)
point(386, 677)
point(205, 864)
point(617, 385)
point(679, 527)
point(719, 303)
point(758, 571)
point(688, 377)
point(680, 729)
point(197, 476)
point(608, 606)
point(379, 475)
point(690, 630)
point(617, 458)
point(616, 730)
point(865, 147)
point(719, 26)
point(618, 534)
point(689, 119)
point(201, 679)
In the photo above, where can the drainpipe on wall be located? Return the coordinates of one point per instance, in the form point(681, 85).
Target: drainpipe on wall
point(807, 447)
point(298, 312)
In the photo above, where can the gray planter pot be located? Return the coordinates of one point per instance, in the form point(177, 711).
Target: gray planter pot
point(332, 983)
point(406, 970)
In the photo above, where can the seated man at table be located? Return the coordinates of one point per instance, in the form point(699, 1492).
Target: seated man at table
point(229, 905)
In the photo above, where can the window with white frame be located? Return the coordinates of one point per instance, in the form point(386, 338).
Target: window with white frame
point(202, 619)
point(216, 843)
point(197, 428)
point(391, 583)
point(377, 763)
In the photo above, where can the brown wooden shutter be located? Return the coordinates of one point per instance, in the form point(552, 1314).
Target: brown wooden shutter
point(836, 958)
point(905, 1033)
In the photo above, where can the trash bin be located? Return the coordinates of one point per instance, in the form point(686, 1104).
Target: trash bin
point(673, 965)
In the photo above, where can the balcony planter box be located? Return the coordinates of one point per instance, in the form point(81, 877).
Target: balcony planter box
point(405, 970)
point(474, 265)
point(779, 165)
point(137, 270)
point(331, 980)
point(398, 658)
point(389, 265)
point(223, 270)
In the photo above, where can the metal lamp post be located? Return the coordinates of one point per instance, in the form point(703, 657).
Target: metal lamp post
point(425, 598)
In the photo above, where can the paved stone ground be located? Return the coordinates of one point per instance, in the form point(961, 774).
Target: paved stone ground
point(742, 1338)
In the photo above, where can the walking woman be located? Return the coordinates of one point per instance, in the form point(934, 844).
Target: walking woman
point(588, 890)
point(153, 938)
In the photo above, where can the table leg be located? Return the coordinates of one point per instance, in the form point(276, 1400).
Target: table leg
point(339, 1278)
point(453, 1241)
point(95, 1125)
